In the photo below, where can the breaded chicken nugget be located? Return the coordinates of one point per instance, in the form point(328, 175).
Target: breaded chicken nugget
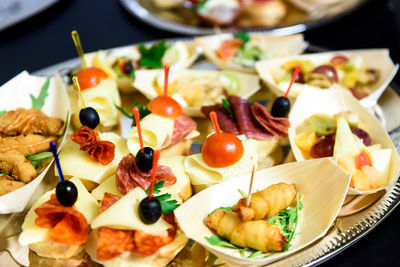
point(8, 184)
point(15, 164)
point(29, 121)
point(26, 144)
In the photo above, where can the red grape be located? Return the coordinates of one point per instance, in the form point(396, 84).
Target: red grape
point(328, 71)
point(363, 135)
point(323, 148)
point(299, 77)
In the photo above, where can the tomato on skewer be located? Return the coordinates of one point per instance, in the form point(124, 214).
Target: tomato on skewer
point(90, 77)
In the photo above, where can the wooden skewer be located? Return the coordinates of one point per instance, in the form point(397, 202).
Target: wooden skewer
point(251, 185)
point(79, 49)
point(78, 88)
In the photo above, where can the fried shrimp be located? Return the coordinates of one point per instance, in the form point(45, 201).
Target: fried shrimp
point(8, 184)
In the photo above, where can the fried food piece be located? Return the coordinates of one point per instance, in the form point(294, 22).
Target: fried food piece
point(14, 163)
point(258, 234)
point(266, 203)
point(26, 144)
point(29, 121)
point(8, 184)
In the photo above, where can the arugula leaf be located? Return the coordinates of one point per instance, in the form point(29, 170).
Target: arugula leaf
point(217, 241)
point(201, 5)
point(2, 112)
point(254, 254)
point(132, 73)
point(223, 208)
point(3, 173)
point(242, 35)
point(151, 57)
point(124, 112)
point(287, 220)
point(36, 159)
point(227, 106)
point(38, 102)
point(244, 194)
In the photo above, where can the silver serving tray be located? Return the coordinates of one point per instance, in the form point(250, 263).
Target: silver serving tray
point(146, 12)
point(347, 229)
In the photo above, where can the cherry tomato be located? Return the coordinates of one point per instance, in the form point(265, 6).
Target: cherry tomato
point(90, 77)
point(229, 48)
point(165, 106)
point(339, 60)
point(222, 151)
point(328, 71)
point(362, 160)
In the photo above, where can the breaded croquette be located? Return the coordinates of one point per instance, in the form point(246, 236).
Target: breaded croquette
point(29, 121)
point(8, 184)
point(15, 164)
point(28, 144)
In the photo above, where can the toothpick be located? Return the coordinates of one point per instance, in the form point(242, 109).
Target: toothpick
point(294, 76)
point(53, 148)
point(78, 88)
point(79, 49)
point(251, 184)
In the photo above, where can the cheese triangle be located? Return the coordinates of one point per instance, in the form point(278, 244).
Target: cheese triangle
point(124, 215)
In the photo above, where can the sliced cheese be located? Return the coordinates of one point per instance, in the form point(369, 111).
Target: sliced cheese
point(124, 215)
point(31, 233)
point(202, 174)
point(176, 163)
point(156, 132)
point(108, 186)
point(76, 162)
point(103, 99)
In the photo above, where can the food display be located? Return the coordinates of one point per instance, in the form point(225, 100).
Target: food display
point(122, 64)
point(353, 70)
point(143, 171)
point(338, 126)
point(241, 51)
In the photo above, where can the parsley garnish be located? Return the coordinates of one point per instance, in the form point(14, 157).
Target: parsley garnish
point(227, 106)
point(167, 206)
point(201, 5)
point(38, 102)
point(151, 57)
point(242, 35)
point(132, 73)
point(143, 111)
point(36, 159)
point(2, 112)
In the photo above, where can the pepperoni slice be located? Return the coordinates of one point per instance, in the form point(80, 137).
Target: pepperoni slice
point(69, 226)
point(89, 141)
point(183, 125)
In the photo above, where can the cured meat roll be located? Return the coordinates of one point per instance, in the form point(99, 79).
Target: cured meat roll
point(266, 203)
point(258, 234)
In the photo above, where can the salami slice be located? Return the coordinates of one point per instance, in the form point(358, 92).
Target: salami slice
point(129, 176)
point(277, 126)
point(69, 226)
point(226, 123)
point(183, 125)
point(89, 141)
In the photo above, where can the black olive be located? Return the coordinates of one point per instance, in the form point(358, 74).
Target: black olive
point(127, 67)
point(281, 107)
point(144, 160)
point(150, 210)
point(66, 193)
point(89, 117)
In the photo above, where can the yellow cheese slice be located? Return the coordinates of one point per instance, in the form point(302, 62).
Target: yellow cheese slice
point(156, 132)
point(124, 215)
point(102, 98)
point(86, 204)
point(108, 186)
point(76, 162)
point(202, 174)
point(176, 163)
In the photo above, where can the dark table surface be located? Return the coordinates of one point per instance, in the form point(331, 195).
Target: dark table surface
point(45, 40)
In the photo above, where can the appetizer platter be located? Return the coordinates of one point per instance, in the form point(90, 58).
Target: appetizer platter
point(188, 162)
point(280, 17)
